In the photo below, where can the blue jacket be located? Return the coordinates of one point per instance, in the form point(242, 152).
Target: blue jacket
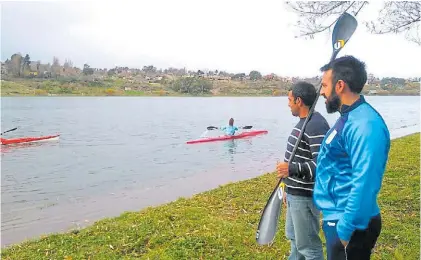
point(229, 130)
point(350, 168)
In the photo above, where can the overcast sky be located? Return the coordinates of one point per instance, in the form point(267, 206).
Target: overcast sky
point(235, 36)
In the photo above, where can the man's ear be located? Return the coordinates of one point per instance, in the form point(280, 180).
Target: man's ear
point(340, 86)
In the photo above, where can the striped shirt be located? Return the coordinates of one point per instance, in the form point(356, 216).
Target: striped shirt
point(302, 170)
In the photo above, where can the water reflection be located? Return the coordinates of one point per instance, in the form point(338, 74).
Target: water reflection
point(232, 146)
point(21, 146)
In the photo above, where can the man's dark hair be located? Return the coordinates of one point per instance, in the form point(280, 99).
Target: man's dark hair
point(231, 122)
point(305, 91)
point(349, 69)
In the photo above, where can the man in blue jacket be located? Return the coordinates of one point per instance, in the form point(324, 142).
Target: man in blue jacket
point(351, 163)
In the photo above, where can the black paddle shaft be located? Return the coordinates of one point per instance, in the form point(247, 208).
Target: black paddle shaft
point(13, 129)
point(343, 31)
point(244, 127)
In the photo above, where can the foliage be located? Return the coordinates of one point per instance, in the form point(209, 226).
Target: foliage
point(88, 85)
point(110, 92)
point(193, 86)
point(149, 70)
point(66, 90)
point(392, 81)
point(239, 76)
point(26, 61)
point(87, 70)
point(276, 93)
point(255, 75)
point(40, 92)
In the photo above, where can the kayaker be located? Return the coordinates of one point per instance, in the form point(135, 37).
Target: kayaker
point(230, 129)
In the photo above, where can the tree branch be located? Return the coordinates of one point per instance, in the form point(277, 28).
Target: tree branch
point(395, 17)
point(315, 13)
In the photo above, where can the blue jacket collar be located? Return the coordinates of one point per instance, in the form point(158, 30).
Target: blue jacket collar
point(346, 109)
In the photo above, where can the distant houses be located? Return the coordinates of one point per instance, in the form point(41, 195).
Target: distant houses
point(150, 78)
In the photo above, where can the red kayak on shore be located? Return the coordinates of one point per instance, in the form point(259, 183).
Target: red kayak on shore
point(28, 139)
point(227, 137)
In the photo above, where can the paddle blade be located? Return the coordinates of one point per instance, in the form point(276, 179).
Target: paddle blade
point(268, 224)
point(342, 32)
point(13, 129)
point(247, 127)
point(212, 127)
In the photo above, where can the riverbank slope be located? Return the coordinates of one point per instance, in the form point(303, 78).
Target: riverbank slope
point(221, 223)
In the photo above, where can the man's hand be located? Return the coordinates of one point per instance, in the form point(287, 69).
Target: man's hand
point(345, 243)
point(282, 169)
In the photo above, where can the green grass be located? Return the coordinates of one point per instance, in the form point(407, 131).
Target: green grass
point(221, 223)
point(9, 88)
point(82, 86)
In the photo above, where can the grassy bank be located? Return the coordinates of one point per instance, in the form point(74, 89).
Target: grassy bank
point(221, 224)
point(120, 87)
point(16, 87)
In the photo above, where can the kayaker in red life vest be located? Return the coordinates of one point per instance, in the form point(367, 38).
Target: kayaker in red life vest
point(230, 129)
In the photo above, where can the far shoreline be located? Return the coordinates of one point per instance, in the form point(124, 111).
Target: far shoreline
point(192, 96)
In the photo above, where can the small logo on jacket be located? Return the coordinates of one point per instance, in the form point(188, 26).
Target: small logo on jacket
point(331, 136)
point(331, 224)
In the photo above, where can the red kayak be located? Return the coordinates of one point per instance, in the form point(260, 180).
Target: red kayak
point(28, 139)
point(227, 137)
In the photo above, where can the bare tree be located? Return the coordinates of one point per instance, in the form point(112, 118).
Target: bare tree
point(68, 68)
point(68, 64)
point(398, 17)
point(16, 62)
point(56, 67)
point(56, 61)
point(394, 17)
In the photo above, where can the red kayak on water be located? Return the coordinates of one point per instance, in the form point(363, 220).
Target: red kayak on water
point(228, 137)
point(28, 139)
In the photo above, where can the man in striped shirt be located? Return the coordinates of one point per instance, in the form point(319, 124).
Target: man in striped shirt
point(302, 223)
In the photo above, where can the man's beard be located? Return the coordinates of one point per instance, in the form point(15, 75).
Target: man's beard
point(333, 103)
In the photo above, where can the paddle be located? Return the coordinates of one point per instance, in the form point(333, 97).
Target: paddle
point(244, 127)
point(342, 32)
point(13, 129)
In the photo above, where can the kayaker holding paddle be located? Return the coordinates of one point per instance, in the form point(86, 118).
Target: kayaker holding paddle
point(230, 129)
point(230, 133)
